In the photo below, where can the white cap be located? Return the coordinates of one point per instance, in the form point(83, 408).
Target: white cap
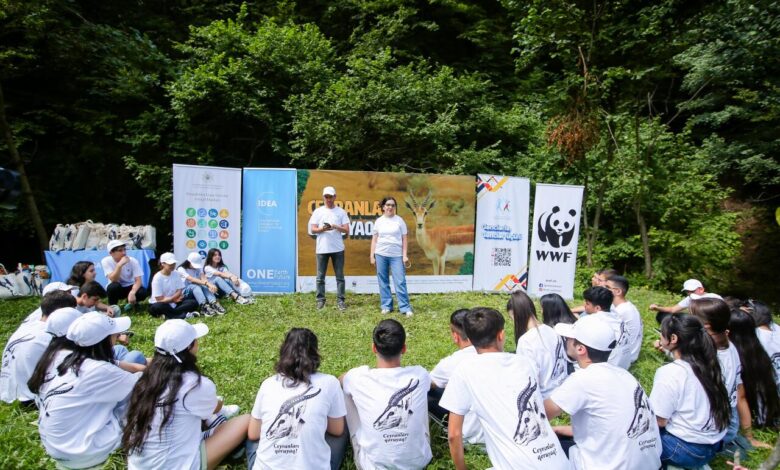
point(61, 286)
point(114, 244)
point(174, 336)
point(196, 259)
point(590, 331)
point(691, 285)
point(168, 258)
point(329, 191)
point(92, 327)
point(60, 319)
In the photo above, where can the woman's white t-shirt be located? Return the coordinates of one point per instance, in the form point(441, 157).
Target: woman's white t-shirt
point(679, 397)
point(440, 376)
point(390, 232)
point(80, 416)
point(165, 286)
point(294, 420)
point(210, 271)
point(770, 340)
point(732, 371)
point(546, 348)
point(178, 445)
point(191, 272)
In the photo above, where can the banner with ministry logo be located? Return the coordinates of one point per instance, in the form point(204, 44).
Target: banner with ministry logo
point(269, 235)
point(207, 212)
point(556, 230)
point(501, 251)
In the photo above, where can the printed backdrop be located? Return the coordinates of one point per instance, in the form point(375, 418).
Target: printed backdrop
point(207, 212)
point(439, 212)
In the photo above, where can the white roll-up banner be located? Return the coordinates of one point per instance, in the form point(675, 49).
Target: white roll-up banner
point(207, 212)
point(501, 251)
point(556, 230)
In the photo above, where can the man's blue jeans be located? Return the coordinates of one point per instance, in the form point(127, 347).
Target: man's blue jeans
point(338, 268)
point(385, 265)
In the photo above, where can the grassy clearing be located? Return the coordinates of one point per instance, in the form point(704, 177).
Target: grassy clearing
point(242, 346)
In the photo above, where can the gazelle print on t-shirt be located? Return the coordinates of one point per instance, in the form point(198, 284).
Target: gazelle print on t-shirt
point(398, 410)
point(642, 414)
point(530, 419)
point(289, 420)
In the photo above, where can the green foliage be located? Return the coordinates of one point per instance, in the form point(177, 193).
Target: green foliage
point(241, 348)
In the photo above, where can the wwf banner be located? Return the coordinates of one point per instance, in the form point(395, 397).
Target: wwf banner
point(556, 231)
point(207, 212)
point(501, 251)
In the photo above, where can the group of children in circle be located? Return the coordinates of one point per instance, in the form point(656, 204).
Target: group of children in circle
point(722, 375)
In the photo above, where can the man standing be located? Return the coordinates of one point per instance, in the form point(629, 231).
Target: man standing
point(124, 275)
point(387, 406)
point(695, 290)
point(612, 424)
point(329, 223)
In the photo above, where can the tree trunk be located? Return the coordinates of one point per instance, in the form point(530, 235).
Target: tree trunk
point(640, 219)
point(27, 193)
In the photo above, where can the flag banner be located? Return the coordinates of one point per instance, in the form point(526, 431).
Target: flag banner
point(556, 230)
point(269, 232)
point(207, 212)
point(501, 256)
point(439, 213)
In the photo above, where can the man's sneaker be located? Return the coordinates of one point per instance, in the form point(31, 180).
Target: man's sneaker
point(320, 304)
point(242, 300)
point(408, 313)
point(207, 311)
point(228, 411)
point(218, 308)
point(192, 315)
point(385, 311)
point(342, 305)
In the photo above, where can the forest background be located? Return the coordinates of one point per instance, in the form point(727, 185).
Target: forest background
point(667, 111)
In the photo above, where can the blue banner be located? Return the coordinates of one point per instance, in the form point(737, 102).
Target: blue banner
point(268, 237)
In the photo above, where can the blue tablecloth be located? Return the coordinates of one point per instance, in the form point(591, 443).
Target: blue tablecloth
point(61, 262)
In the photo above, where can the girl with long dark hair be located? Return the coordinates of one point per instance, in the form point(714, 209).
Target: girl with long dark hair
point(296, 407)
point(170, 402)
point(227, 283)
point(538, 341)
point(198, 287)
point(689, 396)
point(555, 310)
point(82, 394)
point(758, 377)
point(768, 332)
point(81, 272)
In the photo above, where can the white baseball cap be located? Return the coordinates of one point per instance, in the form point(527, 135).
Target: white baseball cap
point(168, 258)
point(196, 259)
point(329, 191)
point(92, 327)
point(59, 321)
point(174, 336)
point(691, 285)
point(57, 285)
point(113, 244)
point(590, 331)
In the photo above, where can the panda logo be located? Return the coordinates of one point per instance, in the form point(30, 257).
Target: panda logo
point(557, 228)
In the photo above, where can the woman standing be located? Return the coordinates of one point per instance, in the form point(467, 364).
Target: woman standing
point(295, 408)
point(689, 395)
point(388, 253)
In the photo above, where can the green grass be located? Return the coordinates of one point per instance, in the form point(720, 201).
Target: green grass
point(242, 346)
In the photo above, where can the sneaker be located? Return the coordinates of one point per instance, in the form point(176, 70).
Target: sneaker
point(320, 304)
point(191, 315)
point(218, 308)
point(385, 311)
point(228, 411)
point(408, 314)
point(242, 300)
point(207, 311)
point(342, 305)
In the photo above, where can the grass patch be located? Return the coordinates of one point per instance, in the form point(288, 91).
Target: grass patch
point(240, 350)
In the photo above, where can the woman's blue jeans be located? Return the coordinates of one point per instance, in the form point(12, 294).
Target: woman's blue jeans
point(201, 294)
point(224, 286)
point(685, 454)
point(385, 265)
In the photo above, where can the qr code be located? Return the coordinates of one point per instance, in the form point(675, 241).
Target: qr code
point(502, 257)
